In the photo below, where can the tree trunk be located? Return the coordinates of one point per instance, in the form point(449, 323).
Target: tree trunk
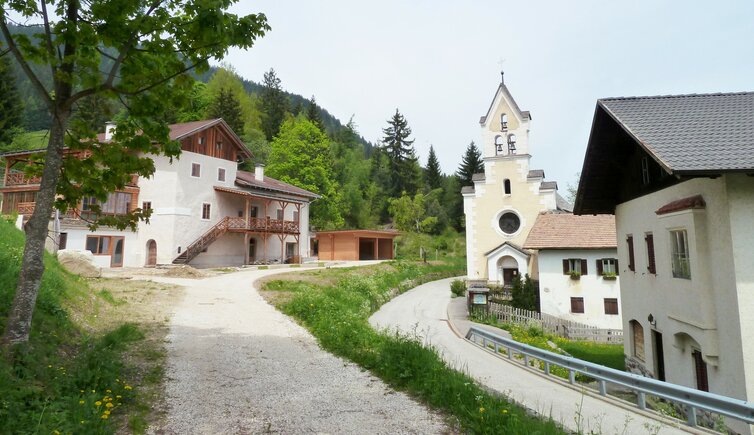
point(32, 266)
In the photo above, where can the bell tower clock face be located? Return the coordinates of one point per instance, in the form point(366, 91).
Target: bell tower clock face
point(509, 222)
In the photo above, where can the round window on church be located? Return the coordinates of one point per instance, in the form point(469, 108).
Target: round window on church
point(509, 222)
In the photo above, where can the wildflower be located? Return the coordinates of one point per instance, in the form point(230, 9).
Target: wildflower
point(104, 416)
point(56, 432)
point(108, 391)
point(94, 391)
point(49, 367)
point(128, 387)
point(81, 422)
point(505, 411)
point(107, 412)
point(81, 391)
point(98, 403)
point(81, 402)
point(481, 410)
point(109, 405)
point(118, 396)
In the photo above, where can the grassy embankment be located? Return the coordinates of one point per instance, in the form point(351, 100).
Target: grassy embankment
point(335, 306)
point(86, 368)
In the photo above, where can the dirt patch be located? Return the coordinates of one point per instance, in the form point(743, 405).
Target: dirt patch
point(150, 305)
point(186, 272)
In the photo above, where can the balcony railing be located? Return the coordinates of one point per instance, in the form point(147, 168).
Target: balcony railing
point(20, 179)
point(263, 225)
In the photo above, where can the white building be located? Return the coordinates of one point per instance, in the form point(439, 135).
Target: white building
point(578, 268)
point(677, 173)
point(504, 202)
point(205, 212)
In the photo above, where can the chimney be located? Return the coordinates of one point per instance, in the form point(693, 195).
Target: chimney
point(109, 130)
point(259, 172)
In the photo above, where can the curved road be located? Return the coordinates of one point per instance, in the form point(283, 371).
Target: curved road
point(424, 311)
point(237, 366)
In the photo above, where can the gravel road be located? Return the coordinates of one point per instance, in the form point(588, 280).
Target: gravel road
point(238, 366)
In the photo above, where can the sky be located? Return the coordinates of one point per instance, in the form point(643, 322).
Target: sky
point(439, 63)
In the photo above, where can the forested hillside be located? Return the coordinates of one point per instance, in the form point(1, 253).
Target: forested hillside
point(362, 185)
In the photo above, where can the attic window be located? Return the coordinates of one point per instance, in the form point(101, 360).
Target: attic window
point(507, 186)
point(503, 122)
point(219, 145)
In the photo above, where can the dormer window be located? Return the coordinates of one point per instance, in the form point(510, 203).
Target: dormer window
point(503, 122)
point(512, 143)
point(499, 143)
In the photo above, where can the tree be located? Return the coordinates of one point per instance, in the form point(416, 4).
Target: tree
point(274, 104)
point(196, 109)
point(11, 110)
point(572, 189)
point(400, 150)
point(312, 114)
point(300, 155)
point(143, 69)
point(226, 106)
point(227, 79)
point(432, 174)
point(524, 293)
point(471, 164)
point(93, 112)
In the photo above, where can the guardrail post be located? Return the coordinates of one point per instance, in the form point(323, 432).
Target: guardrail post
point(571, 376)
point(510, 353)
point(603, 388)
point(497, 348)
point(547, 368)
point(691, 415)
point(526, 360)
point(641, 400)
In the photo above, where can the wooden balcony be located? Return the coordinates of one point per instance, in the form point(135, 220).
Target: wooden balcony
point(263, 225)
point(20, 179)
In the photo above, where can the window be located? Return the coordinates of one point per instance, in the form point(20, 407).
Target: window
point(205, 211)
point(507, 186)
point(679, 248)
point(509, 223)
point(630, 243)
point(577, 305)
point(499, 144)
point(63, 241)
point(611, 306)
point(100, 245)
point(512, 143)
point(607, 267)
point(574, 265)
point(220, 174)
point(645, 170)
point(295, 216)
point(649, 238)
point(637, 339)
point(117, 203)
point(146, 205)
point(503, 122)
point(201, 140)
point(280, 214)
point(196, 170)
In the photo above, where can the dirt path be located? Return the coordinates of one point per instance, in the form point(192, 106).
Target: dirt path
point(236, 365)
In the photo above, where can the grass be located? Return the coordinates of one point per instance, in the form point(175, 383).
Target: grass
point(335, 306)
point(71, 377)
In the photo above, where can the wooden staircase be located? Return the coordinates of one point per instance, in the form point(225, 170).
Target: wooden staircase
point(202, 242)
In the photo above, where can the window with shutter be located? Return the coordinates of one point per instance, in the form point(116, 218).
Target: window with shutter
point(599, 266)
point(607, 267)
point(631, 263)
point(583, 267)
point(571, 265)
point(611, 306)
point(577, 305)
point(650, 253)
point(280, 214)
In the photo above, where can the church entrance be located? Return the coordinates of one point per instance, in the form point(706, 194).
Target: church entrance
point(508, 276)
point(507, 267)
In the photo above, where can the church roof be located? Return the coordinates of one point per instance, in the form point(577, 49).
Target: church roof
point(504, 89)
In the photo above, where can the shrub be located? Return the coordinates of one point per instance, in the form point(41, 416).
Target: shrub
point(457, 287)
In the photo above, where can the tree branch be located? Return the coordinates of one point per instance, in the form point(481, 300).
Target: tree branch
point(48, 35)
point(12, 47)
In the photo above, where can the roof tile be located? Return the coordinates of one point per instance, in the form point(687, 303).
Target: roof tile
point(568, 231)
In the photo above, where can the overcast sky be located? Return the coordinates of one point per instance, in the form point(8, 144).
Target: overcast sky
point(439, 62)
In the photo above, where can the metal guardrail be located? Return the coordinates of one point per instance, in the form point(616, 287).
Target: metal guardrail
point(693, 399)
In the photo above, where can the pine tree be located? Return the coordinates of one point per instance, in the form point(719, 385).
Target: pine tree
point(11, 110)
point(227, 107)
point(432, 174)
point(93, 112)
point(274, 104)
point(471, 164)
point(312, 114)
point(400, 150)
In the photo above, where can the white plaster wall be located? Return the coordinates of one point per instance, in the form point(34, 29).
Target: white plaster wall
point(556, 289)
point(706, 307)
point(227, 250)
point(77, 242)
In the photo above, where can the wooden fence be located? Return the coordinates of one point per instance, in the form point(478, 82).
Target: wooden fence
point(554, 325)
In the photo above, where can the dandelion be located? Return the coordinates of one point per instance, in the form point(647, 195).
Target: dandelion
point(81, 391)
point(107, 412)
point(56, 432)
point(128, 387)
point(504, 411)
point(118, 396)
point(481, 410)
point(108, 391)
point(109, 405)
point(94, 391)
point(98, 403)
point(81, 402)
point(49, 367)
point(104, 416)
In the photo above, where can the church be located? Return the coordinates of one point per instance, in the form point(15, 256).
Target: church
point(504, 202)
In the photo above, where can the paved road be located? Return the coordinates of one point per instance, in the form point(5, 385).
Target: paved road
point(238, 366)
point(425, 310)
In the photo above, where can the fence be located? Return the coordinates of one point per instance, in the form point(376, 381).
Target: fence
point(554, 325)
point(690, 398)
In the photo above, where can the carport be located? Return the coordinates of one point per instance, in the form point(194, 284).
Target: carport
point(354, 245)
